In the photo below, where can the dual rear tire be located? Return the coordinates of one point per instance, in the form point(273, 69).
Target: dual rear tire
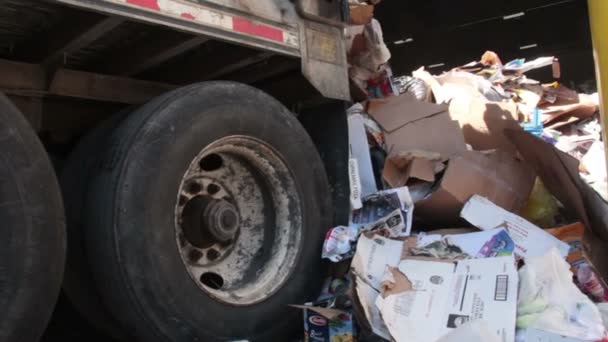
point(202, 218)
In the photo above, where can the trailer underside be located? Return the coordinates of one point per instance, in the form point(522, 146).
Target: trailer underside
point(66, 68)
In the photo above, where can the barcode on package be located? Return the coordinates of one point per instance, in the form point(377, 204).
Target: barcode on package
point(502, 287)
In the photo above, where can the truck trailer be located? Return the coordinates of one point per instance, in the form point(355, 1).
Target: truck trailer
point(192, 204)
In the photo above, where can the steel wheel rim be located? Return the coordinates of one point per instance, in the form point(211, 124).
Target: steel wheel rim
point(242, 181)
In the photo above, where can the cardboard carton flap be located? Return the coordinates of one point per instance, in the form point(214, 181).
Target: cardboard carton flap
point(437, 133)
point(399, 168)
point(483, 122)
point(398, 283)
point(393, 113)
point(557, 170)
point(496, 175)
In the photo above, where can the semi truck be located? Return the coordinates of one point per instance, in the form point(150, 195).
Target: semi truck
point(151, 170)
point(172, 166)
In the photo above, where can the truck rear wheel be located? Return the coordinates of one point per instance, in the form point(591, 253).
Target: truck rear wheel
point(207, 218)
point(78, 284)
point(32, 236)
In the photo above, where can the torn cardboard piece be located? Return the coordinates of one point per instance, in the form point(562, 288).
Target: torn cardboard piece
point(584, 107)
point(409, 124)
point(530, 240)
point(428, 299)
point(374, 254)
point(497, 175)
point(399, 168)
point(367, 295)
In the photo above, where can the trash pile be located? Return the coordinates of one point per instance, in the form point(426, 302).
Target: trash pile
point(469, 217)
point(367, 53)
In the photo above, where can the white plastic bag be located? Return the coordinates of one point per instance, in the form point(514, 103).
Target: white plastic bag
point(550, 301)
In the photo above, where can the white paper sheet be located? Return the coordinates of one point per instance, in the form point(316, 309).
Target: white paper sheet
point(530, 240)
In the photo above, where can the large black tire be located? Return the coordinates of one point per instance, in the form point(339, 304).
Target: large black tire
point(32, 232)
point(78, 284)
point(130, 225)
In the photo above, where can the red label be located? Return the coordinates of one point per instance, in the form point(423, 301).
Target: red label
point(318, 320)
point(151, 4)
point(188, 16)
point(260, 30)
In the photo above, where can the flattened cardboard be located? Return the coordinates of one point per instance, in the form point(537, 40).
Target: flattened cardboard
point(498, 176)
point(410, 124)
point(557, 170)
point(483, 122)
point(429, 298)
point(399, 168)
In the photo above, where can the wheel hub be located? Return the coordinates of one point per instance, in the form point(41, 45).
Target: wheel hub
point(221, 219)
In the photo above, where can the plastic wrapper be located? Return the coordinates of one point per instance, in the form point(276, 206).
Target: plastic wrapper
point(587, 278)
point(541, 208)
point(549, 300)
point(339, 243)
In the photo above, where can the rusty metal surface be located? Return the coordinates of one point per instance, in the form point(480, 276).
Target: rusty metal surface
point(324, 61)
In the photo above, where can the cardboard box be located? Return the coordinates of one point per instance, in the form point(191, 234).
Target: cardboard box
point(375, 253)
point(423, 300)
point(498, 176)
point(327, 325)
point(416, 165)
point(361, 14)
point(483, 122)
point(409, 124)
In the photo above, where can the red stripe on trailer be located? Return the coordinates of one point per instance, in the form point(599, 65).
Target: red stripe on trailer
point(188, 16)
point(151, 4)
point(247, 26)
